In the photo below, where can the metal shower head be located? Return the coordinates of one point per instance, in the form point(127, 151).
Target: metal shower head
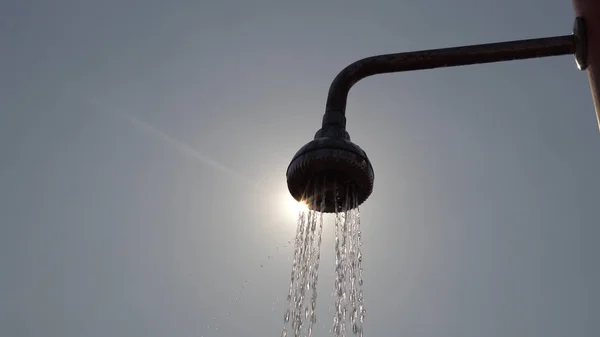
point(329, 170)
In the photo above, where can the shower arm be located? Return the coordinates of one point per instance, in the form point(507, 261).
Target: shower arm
point(574, 44)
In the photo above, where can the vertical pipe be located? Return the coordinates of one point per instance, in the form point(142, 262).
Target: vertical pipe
point(590, 10)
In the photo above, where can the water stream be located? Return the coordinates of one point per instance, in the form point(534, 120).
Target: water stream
point(299, 316)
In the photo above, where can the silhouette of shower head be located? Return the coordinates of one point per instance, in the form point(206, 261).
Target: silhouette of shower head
point(330, 173)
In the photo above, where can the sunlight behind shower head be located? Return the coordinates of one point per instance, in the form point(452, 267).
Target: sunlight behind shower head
point(293, 206)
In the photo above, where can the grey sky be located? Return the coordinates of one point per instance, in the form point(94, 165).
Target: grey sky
point(144, 144)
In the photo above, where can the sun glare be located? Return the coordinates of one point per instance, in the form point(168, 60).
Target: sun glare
point(301, 206)
point(294, 207)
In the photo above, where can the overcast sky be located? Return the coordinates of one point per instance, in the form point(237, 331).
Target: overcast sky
point(143, 148)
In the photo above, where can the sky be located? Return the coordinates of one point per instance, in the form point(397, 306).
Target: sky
point(143, 149)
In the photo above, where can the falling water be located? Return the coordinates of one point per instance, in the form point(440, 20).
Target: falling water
point(349, 305)
point(349, 309)
point(302, 294)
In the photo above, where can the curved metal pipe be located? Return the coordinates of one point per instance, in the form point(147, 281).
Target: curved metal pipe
point(449, 57)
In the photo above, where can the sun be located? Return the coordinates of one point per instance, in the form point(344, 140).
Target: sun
point(294, 207)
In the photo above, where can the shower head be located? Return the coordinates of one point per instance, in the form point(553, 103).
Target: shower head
point(332, 174)
point(330, 171)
